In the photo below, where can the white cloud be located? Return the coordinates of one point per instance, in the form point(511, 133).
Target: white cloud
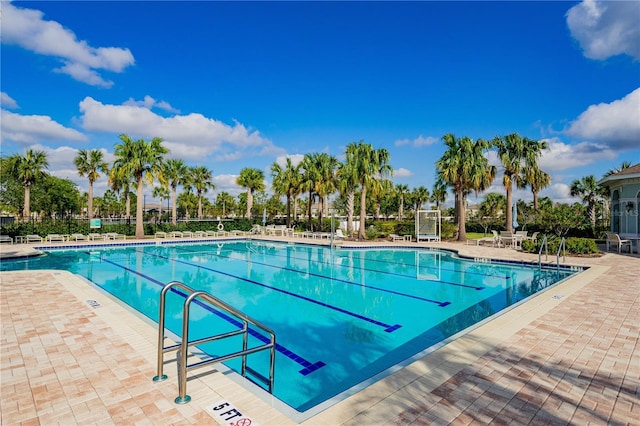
point(606, 28)
point(417, 142)
point(28, 28)
point(227, 183)
point(562, 156)
point(7, 101)
point(148, 102)
point(559, 193)
point(402, 172)
point(616, 124)
point(27, 129)
point(295, 159)
point(191, 136)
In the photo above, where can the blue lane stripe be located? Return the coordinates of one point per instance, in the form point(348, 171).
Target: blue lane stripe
point(430, 267)
point(424, 299)
point(378, 271)
point(308, 366)
point(388, 328)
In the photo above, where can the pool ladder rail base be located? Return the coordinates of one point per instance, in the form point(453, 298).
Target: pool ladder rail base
point(182, 348)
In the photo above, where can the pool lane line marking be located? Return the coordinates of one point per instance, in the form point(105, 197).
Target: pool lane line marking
point(367, 269)
point(423, 299)
point(427, 267)
point(309, 367)
point(387, 327)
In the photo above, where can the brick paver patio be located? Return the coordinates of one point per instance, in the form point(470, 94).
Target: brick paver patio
point(569, 356)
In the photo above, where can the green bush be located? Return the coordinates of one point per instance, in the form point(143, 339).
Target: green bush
point(572, 245)
point(371, 232)
point(448, 230)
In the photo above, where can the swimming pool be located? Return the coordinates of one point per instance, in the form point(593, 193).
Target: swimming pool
point(341, 316)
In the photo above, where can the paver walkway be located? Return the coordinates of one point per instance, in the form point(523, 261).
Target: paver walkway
point(569, 356)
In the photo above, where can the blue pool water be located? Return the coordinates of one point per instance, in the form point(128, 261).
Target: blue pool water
point(341, 316)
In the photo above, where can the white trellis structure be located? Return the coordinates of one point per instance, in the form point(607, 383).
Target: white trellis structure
point(428, 225)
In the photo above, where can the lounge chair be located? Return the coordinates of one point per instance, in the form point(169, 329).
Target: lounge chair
point(161, 234)
point(78, 237)
point(494, 240)
point(33, 238)
point(615, 240)
point(396, 237)
point(338, 234)
point(55, 237)
point(187, 234)
point(211, 233)
point(6, 239)
point(114, 236)
point(199, 234)
point(95, 236)
point(176, 234)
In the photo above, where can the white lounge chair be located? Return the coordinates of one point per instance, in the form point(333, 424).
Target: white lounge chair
point(95, 236)
point(396, 237)
point(176, 234)
point(78, 237)
point(114, 236)
point(55, 237)
point(33, 238)
point(6, 239)
point(161, 234)
point(615, 240)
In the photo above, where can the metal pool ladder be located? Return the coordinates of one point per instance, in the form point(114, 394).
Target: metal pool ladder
point(183, 346)
point(561, 247)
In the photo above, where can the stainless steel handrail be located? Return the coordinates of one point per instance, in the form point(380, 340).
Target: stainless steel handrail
point(563, 247)
point(546, 251)
point(183, 347)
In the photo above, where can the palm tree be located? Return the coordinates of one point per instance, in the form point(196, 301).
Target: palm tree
point(227, 201)
point(347, 181)
point(465, 168)
point(439, 192)
point(143, 160)
point(371, 165)
point(588, 190)
point(90, 164)
point(402, 191)
point(308, 183)
point(512, 152)
point(28, 170)
point(624, 165)
point(175, 171)
point(202, 183)
point(286, 181)
point(161, 192)
point(419, 195)
point(324, 166)
point(253, 180)
point(532, 175)
point(120, 177)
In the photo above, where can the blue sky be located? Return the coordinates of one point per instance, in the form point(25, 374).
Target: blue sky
point(230, 85)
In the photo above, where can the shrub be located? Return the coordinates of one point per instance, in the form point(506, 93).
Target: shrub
point(371, 232)
point(572, 245)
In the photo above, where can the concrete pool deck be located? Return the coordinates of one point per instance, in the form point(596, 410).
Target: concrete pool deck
point(568, 355)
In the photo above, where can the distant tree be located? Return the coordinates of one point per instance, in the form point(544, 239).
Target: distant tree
point(439, 192)
point(176, 172)
point(420, 196)
point(202, 183)
point(402, 191)
point(144, 161)
point(465, 168)
point(347, 182)
point(287, 182)
point(90, 163)
point(28, 170)
point(588, 190)
point(253, 180)
point(225, 203)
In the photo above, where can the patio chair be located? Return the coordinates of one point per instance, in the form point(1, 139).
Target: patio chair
point(338, 234)
point(176, 234)
point(396, 237)
point(161, 234)
point(95, 236)
point(33, 238)
point(615, 240)
point(78, 237)
point(114, 236)
point(6, 239)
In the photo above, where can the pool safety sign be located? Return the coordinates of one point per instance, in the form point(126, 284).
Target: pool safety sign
point(227, 414)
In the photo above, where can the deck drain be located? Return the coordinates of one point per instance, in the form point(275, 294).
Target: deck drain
point(558, 296)
point(94, 303)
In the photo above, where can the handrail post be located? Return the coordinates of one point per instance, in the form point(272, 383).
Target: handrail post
point(181, 356)
point(160, 366)
point(245, 345)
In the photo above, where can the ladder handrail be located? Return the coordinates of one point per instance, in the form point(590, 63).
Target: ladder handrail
point(183, 346)
point(562, 246)
point(546, 251)
point(182, 353)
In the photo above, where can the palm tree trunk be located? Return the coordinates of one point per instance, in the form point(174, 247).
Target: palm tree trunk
point(139, 212)
point(249, 202)
point(363, 212)
point(535, 200)
point(90, 201)
point(127, 201)
point(350, 207)
point(199, 206)
point(26, 211)
point(462, 232)
point(288, 211)
point(508, 213)
point(320, 209)
point(174, 209)
point(295, 208)
point(309, 209)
